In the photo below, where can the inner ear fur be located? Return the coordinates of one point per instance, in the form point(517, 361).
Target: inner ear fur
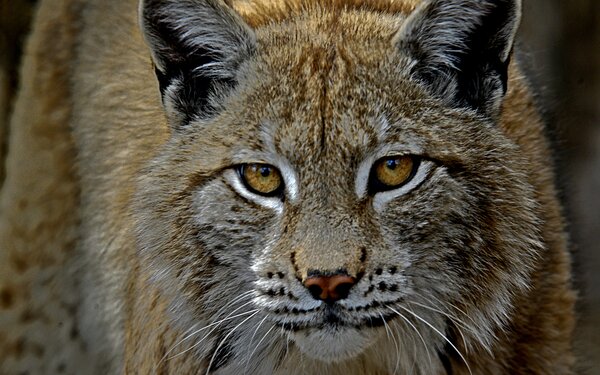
point(197, 47)
point(462, 49)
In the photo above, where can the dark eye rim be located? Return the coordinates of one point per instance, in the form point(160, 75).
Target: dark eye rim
point(275, 193)
point(376, 186)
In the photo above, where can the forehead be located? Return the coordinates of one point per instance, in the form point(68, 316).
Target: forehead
point(331, 75)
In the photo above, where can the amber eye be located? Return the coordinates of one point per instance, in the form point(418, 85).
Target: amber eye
point(262, 179)
point(392, 172)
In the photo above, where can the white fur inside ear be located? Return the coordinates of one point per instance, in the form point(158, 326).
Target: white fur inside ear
point(209, 26)
point(442, 27)
point(170, 102)
point(460, 49)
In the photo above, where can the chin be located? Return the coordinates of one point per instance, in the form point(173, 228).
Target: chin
point(333, 343)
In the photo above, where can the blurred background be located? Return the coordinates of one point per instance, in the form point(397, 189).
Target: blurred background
point(560, 46)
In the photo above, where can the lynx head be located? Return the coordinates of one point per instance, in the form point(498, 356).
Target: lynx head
point(335, 172)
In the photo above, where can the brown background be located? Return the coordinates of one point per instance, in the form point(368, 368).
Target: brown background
point(560, 44)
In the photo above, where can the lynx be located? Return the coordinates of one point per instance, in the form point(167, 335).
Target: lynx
point(280, 187)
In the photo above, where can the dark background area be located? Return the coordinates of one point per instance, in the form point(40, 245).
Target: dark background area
point(560, 45)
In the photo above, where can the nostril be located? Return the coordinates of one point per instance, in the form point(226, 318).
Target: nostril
point(340, 286)
point(342, 290)
point(329, 288)
point(315, 291)
point(317, 287)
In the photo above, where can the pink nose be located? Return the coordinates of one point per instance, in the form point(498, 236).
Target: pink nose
point(329, 288)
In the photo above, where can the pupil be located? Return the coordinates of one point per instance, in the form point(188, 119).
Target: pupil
point(391, 164)
point(265, 171)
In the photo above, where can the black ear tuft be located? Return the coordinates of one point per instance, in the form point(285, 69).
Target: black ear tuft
point(197, 47)
point(462, 49)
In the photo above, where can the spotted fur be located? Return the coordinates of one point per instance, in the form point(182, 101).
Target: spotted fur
point(130, 244)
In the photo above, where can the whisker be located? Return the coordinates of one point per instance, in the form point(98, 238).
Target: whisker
point(447, 315)
point(253, 335)
point(390, 333)
point(415, 329)
point(441, 335)
point(414, 344)
point(256, 330)
point(218, 313)
point(287, 342)
point(475, 328)
point(225, 339)
point(453, 319)
point(215, 326)
point(260, 342)
point(457, 309)
point(212, 324)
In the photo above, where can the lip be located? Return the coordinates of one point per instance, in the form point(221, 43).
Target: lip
point(330, 318)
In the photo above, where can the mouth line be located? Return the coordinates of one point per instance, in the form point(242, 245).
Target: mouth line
point(361, 308)
point(334, 321)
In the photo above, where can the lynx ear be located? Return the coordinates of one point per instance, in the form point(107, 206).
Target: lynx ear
point(197, 47)
point(462, 49)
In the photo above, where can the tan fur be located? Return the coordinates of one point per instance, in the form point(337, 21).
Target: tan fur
point(94, 177)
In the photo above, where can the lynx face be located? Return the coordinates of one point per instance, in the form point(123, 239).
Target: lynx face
point(334, 177)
